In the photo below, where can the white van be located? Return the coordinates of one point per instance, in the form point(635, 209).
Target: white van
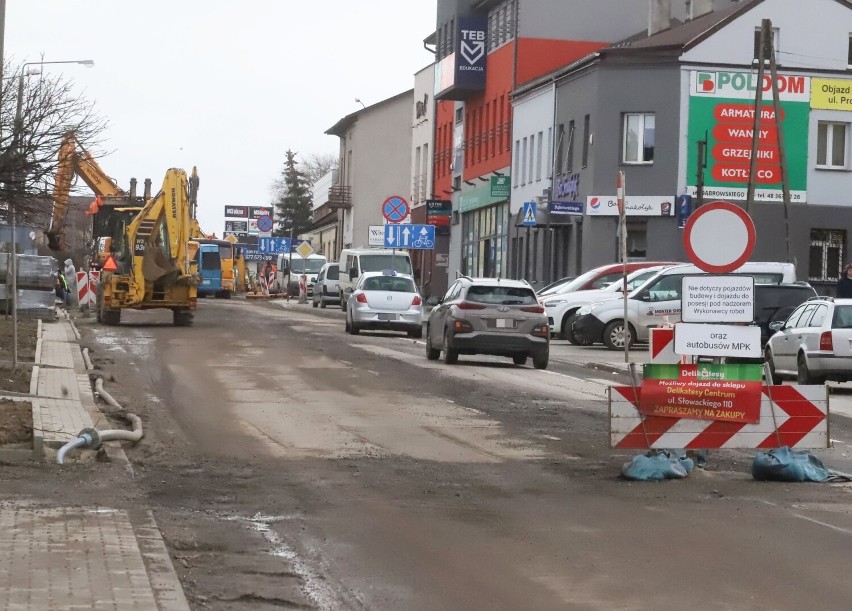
point(356, 261)
point(287, 278)
point(657, 302)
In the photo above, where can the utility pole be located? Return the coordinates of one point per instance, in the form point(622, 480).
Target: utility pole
point(765, 34)
point(776, 103)
point(699, 179)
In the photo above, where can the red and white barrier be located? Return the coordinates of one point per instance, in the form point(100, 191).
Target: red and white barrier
point(795, 416)
point(87, 288)
point(661, 347)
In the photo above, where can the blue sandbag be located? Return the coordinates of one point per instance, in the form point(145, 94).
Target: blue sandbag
point(657, 465)
point(786, 465)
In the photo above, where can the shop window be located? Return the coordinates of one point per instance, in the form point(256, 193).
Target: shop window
point(826, 254)
point(639, 138)
point(849, 52)
point(832, 145)
point(637, 240)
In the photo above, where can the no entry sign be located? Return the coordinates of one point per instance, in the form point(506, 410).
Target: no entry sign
point(719, 237)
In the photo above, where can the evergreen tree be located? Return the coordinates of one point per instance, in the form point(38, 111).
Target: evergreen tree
point(293, 204)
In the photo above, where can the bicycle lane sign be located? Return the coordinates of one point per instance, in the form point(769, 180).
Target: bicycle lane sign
point(415, 237)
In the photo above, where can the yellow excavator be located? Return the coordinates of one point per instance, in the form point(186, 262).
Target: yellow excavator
point(150, 264)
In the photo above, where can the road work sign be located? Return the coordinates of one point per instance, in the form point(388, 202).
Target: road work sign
point(717, 299)
point(717, 340)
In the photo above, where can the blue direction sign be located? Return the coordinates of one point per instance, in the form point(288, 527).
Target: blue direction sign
point(264, 223)
point(419, 237)
point(528, 214)
point(395, 209)
point(273, 245)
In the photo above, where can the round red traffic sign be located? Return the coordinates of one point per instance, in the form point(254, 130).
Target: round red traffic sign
point(395, 209)
point(719, 237)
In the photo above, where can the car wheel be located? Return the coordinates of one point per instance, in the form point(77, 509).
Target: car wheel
point(568, 331)
point(322, 303)
point(431, 353)
point(346, 324)
point(519, 359)
point(353, 328)
point(804, 376)
point(774, 378)
point(451, 356)
point(315, 304)
point(416, 333)
point(540, 362)
point(613, 337)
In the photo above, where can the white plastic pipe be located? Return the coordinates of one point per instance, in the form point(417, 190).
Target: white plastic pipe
point(124, 435)
point(74, 443)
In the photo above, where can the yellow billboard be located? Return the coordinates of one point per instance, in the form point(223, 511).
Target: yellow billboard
point(831, 94)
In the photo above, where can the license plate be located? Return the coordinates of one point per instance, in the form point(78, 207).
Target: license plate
point(504, 323)
point(384, 316)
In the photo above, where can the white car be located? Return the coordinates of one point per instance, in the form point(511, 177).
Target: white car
point(561, 308)
point(385, 300)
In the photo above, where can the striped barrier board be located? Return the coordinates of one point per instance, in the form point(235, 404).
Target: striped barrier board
point(800, 420)
point(87, 288)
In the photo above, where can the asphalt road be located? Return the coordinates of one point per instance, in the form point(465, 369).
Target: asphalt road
point(291, 465)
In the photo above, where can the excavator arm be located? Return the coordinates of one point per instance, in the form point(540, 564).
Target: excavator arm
point(74, 159)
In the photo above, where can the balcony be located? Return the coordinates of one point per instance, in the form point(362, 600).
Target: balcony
point(340, 197)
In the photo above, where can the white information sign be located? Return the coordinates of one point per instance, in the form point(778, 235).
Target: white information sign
point(717, 299)
point(376, 236)
point(717, 340)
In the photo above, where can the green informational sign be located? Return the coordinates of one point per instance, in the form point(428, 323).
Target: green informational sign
point(500, 186)
point(721, 110)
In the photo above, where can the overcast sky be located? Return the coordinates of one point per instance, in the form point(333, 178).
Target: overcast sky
point(227, 86)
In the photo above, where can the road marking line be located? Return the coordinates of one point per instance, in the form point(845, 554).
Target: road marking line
point(810, 519)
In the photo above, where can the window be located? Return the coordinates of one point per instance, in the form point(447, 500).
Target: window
point(637, 240)
point(826, 254)
point(569, 163)
point(831, 145)
point(849, 52)
point(775, 37)
point(524, 164)
point(459, 114)
point(516, 162)
point(638, 138)
point(560, 143)
point(538, 154)
point(532, 157)
point(587, 125)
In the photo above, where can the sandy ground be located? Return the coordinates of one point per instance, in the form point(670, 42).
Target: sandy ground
point(16, 416)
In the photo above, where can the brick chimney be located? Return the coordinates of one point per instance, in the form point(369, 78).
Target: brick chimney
point(659, 16)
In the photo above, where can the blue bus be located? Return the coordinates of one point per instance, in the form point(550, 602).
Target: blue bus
point(215, 259)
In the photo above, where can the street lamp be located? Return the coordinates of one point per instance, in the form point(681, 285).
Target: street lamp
point(18, 138)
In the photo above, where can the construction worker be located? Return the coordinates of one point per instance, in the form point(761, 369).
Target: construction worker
point(62, 288)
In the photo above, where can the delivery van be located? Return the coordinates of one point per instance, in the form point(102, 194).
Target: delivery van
point(657, 302)
point(356, 261)
point(287, 277)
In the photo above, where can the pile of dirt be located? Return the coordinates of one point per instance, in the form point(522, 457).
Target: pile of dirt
point(16, 419)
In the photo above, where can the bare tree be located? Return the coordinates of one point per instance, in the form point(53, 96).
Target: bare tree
point(30, 140)
point(318, 165)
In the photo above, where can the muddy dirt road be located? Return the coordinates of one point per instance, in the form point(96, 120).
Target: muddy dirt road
point(292, 466)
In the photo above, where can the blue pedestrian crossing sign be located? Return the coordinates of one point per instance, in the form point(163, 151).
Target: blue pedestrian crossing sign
point(528, 214)
point(419, 237)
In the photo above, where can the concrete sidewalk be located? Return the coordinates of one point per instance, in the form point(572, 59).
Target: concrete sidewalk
point(57, 557)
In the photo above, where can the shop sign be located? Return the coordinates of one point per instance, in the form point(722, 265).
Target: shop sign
point(236, 226)
point(237, 211)
point(704, 392)
point(500, 186)
point(634, 205)
point(478, 197)
point(721, 110)
point(256, 212)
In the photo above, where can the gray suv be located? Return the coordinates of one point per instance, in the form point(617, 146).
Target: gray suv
point(489, 316)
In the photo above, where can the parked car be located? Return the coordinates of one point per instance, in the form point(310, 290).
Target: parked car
point(561, 308)
point(385, 300)
point(814, 344)
point(489, 316)
point(549, 288)
point(603, 276)
point(326, 287)
point(657, 302)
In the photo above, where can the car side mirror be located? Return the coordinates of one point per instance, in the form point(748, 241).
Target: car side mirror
point(776, 325)
point(433, 301)
point(353, 273)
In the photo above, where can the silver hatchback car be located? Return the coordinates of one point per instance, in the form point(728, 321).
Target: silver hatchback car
point(489, 316)
point(385, 300)
point(814, 344)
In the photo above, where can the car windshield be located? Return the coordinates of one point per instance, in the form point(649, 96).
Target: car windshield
point(502, 295)
point(377, 263)
point(307, 266)
point(394, 284)
point(577, 282)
